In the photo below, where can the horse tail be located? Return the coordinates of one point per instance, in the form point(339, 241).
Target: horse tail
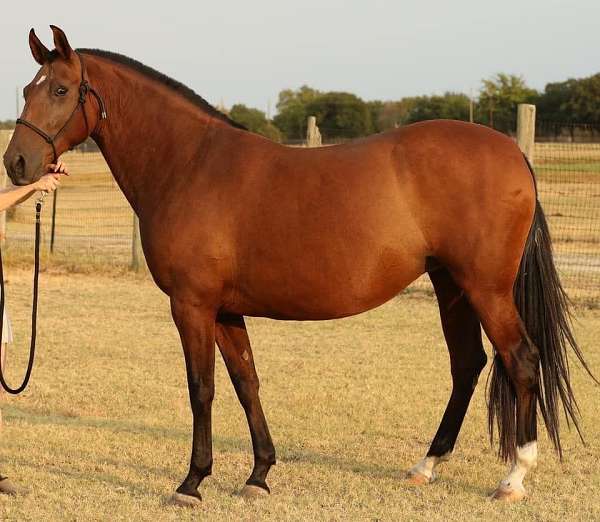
point(544, 309)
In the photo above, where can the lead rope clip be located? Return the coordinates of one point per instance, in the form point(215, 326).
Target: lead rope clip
point(38, 205)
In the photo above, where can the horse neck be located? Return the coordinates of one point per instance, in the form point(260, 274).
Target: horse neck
point(151, 133)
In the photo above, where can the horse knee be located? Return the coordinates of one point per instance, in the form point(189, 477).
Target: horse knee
point(202, 393)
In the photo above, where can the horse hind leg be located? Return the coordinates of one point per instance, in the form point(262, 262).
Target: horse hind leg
point(234, 344)
point(514, 388)
point(462, 331)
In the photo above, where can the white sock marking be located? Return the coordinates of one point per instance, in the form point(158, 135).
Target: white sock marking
point(426, 466)
point(526, 459)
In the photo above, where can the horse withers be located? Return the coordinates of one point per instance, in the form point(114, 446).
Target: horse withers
point(234, 225)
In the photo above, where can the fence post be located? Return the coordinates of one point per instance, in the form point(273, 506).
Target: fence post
point(5, 136)
point(526, 129)
point(138, 261)
point(313, 136)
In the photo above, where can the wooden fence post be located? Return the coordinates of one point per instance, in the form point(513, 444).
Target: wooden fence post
point(313, 136)
point(5, 136)
point(526, 129)
point(138, 261)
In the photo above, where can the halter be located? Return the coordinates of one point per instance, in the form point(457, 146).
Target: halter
point(84, 89)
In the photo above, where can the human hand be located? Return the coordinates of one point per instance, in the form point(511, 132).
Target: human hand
point(47, 183)
point(59, 167)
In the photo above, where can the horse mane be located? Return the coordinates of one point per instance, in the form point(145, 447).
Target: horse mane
point(178, 87)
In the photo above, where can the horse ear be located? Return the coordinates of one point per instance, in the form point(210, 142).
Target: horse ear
point(61, 43)
point(39, 51)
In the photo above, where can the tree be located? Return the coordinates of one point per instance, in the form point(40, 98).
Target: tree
point(375, 108)
point(584, 102)
point(341, 115)
point(291, 111)
point(394, 114)
point(453, 106)
point(255, 120)
point(574, 100)
point(499, 97)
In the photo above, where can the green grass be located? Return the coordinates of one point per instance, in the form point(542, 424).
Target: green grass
point(103, 432)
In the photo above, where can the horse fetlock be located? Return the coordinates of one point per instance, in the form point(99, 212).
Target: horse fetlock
point(424, 471)
point(511, 488)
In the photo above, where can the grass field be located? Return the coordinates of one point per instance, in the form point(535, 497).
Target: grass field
point(104, 430)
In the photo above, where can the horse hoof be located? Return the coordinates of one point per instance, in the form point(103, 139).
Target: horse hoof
point(181, 500)
point(508, 494)
point(250, 492)
point(8, 488)
point(418, 479)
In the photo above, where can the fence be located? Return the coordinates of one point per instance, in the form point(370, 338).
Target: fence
point(568, 177)
point(96, 227)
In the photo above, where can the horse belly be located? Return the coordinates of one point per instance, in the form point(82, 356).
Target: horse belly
point(320, 290)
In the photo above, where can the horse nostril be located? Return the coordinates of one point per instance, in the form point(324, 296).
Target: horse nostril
point(18, 166)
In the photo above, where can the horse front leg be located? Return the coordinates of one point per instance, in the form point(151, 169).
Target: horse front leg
point(233, 341)
point(196, 327)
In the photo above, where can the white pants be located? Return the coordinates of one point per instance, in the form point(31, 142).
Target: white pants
point(7, 334)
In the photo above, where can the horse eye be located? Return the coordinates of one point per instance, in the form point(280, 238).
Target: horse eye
point(61, 91)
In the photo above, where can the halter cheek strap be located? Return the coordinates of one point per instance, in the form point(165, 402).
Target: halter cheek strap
point(84, 89)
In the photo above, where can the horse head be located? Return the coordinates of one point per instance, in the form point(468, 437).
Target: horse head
point(56, 116)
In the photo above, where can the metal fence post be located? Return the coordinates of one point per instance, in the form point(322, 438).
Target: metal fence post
point(526, 129)
point(138, 261)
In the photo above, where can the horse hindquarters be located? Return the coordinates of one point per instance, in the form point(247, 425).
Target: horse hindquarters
point(530, 330)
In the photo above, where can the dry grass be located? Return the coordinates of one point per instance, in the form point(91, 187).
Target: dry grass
point(103, 432)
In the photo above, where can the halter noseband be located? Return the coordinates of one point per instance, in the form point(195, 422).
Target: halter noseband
point(84, 89)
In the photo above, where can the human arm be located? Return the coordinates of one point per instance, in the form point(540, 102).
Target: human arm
point(48, 183)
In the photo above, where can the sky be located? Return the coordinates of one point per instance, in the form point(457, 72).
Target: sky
point(246, 52)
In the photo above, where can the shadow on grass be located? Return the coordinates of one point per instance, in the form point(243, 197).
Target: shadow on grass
point(286, 454)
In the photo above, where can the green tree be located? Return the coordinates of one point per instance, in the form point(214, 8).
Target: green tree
point(574, 100)
point(584, 102)
point(375, 108)
point(498, 100)
point(291, 111)
point(453, 106)
point(394, 114)
point(255, 120)
point(341, 115)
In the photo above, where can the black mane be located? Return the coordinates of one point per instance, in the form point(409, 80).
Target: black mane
point(178, 87)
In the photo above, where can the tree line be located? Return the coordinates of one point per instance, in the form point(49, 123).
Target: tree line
point(345, 115)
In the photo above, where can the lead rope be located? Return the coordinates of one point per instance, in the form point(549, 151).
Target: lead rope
point(36, 273)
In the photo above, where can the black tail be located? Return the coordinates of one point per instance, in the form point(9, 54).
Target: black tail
point(544, 309)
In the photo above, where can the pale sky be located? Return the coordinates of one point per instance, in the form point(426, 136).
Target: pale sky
point(247, 51)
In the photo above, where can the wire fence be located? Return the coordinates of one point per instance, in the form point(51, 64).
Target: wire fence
point(568, 173)
point(94, 225)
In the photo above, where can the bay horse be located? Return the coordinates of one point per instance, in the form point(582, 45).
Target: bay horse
point(235, 225)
